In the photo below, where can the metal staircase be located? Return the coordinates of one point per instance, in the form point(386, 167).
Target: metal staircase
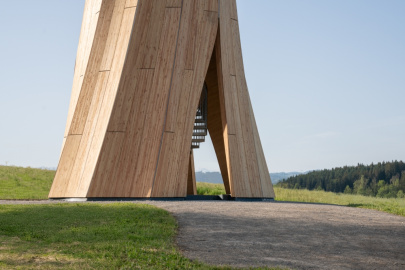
point(200, 123)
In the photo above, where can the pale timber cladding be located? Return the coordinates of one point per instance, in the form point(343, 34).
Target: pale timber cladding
point(140, 69)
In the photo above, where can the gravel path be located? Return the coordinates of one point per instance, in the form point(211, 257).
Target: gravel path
point(293, 235)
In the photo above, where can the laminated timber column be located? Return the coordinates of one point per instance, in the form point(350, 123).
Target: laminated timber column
point(139, 73)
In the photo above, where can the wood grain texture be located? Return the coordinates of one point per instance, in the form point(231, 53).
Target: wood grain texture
point(216, 118)
point(248, 174)
point(168, 184)
point(174, 3)
point(131, 3)
point(67, 160)
point(98, 99)
point(140, 69)
point(87, 33)
point(191, 180)
point(93, 68)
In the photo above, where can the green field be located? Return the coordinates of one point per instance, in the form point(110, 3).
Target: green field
point(393, 206)
point(82, 236)
point(24, 183)
point(29, 183)
point(210, 189)
point(90, 236)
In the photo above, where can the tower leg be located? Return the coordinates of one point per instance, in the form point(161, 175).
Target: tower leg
point(191, 180)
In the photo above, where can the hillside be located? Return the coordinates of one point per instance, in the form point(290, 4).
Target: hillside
point(386, 180)
point(216, 178)
point(22, 183)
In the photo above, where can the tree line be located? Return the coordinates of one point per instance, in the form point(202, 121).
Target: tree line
point(386, 180)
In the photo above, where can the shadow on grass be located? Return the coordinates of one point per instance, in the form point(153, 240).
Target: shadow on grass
point(361, 205)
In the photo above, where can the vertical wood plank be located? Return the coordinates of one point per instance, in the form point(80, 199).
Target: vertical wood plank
point(225, 63)
point(160, 92)
point(128, 79)
point(113, 34)
point(132, 141)
point(233, 9)
point(177, 186)
point(240, 186)
point(90, 78)
point(211, 5)
point(88, 134)
point(187, 31)
point(131, 3)
point(107, 102)
point(191, 180)
point(153, 12)
point(267, 186)
point(150, 127)
point(245, 132)
point(64, 170)
point(104, 177)
point(215, 120)
point(87, 33)
point(184, 62)
point(173, 3)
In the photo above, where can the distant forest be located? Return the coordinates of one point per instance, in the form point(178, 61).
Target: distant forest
point(386, 180)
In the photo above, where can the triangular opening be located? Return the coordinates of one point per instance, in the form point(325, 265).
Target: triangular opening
point(214, 146)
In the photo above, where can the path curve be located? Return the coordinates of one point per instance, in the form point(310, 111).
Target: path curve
point(292, 235)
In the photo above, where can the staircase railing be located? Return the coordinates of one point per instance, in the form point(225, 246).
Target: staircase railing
point(200, 123)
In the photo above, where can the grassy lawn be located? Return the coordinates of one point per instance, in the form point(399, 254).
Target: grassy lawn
point(24, 183)
point(90, 236)
point(82, 236)
point(112, 236)
point(393, 206)
point(210, 189)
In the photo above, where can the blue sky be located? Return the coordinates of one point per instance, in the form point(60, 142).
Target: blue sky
point(326, 78)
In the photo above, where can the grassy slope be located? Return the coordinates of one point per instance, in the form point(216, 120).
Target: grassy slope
point(89, 236)
point(82, 236)
point(393, 206)
point(24, 183)
point(29, 183)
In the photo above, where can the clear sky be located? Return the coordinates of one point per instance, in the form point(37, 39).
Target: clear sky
point(326, 79)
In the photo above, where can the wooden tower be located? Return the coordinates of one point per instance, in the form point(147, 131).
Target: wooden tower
point(150, 77)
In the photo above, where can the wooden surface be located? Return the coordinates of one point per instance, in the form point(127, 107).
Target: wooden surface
point(140, 69)
point(191, 180)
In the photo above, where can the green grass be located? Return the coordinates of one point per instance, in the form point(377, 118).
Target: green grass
point(210, 189)
point(24, 183)
point(393, 206)
point(90, 236)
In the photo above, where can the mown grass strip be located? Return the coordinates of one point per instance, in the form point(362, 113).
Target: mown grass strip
point(90, 236)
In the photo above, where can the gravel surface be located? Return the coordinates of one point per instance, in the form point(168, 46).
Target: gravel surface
point(292, 235)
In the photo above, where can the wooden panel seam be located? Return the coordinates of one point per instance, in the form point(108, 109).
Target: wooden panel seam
point(167, 102)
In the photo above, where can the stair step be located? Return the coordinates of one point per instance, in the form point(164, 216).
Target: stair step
point(200, 120)
point(195, 145)
point(198, 140)
point(200, 132)
point(200, 126)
